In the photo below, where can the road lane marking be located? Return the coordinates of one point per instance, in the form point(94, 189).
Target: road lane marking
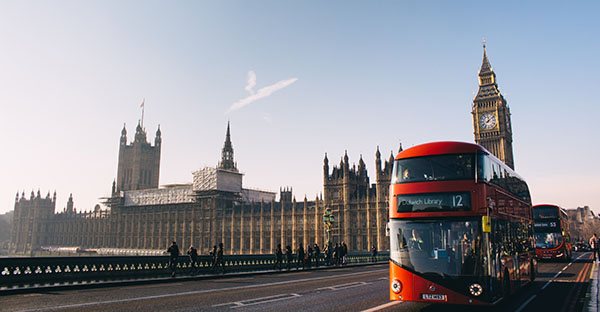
point(344, 286)
point(575, 290)
point(153, 286)
point(383, 306)
point(525, 304)
point(196, 292)
point(255, 301)
point(560, 272)
point(553, 279)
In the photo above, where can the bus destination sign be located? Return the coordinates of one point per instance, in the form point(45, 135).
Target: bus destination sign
point(542, 224)
point(434, 202)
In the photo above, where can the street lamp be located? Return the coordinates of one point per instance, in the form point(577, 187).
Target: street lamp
point(328, 220)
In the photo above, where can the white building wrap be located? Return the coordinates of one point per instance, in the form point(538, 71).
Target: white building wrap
point(213, 179)
point(162, 196)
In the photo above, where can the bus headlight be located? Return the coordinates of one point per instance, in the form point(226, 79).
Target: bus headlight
point(396, 286)
point(475, 289)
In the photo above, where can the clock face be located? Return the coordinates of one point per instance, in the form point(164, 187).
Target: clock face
point(487, 121)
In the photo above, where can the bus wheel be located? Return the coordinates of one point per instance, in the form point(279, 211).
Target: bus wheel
point(506, 284)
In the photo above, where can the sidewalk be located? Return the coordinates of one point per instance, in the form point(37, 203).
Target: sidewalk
point(592, 302)
point(155, 280)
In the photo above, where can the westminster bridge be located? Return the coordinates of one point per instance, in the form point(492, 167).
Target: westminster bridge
point(142, 283)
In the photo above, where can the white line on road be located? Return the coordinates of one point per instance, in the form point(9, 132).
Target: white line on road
point(383, 306)
point(525, 304)
point(255, 301)
point(344, 286)
point(187, 293)
point(560, 272)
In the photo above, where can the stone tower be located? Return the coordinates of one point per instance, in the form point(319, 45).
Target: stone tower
point(30, 223)
point(491, 116)
point(139, 162)
point(359, 207)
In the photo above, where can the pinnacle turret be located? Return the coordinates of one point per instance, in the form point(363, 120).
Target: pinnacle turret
point(227, 162)
point(486, 68)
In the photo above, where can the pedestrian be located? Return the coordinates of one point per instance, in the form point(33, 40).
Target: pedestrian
point(317, 254)
point(193, 254)
point(173, 251)
point(336, 254)
point(213, 256)
point(278, 257)
point(300, 257)
point(308, 256)
point(594, 244)
point(327, 253)
point(288, 256)
point(373, 253)
point(344, 253)
point(219, 260)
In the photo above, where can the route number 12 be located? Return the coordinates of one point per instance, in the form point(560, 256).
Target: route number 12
point(457, 201)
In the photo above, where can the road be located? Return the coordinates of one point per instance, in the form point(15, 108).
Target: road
point(559, 287)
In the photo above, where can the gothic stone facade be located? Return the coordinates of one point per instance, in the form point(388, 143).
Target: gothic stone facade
point(247, 221)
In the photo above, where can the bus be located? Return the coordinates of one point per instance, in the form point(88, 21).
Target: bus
point(551, 227)
point(460, 226)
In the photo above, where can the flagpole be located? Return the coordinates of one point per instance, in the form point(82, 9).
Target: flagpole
point(144, 100)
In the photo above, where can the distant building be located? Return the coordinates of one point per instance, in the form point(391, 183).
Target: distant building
point(583, 223)
point(214, 208)
point(491, 116)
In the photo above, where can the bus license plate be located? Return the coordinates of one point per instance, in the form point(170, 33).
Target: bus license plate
point(433, 297)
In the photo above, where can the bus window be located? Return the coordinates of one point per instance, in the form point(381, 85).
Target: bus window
point(434, 168)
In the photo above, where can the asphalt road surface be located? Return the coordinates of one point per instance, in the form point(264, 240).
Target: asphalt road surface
point(560, 286)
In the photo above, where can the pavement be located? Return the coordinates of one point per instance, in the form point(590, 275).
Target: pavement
point(155, 280)
point(592, 301)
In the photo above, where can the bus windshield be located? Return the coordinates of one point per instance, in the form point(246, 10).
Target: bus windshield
point(545, 212)
point(438, 247)
point(434, 168)
point(548, 240)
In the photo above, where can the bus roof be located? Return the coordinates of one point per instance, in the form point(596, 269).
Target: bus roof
point(450, 147)
point(444, 147)
point(548, 205)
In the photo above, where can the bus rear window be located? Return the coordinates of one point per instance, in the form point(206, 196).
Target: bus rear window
point(434, 168)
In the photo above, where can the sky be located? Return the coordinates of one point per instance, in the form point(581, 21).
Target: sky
point(296, 80)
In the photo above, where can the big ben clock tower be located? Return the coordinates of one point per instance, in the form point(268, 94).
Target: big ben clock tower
point(491, 115)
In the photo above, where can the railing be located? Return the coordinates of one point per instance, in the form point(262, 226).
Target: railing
point(44, 271)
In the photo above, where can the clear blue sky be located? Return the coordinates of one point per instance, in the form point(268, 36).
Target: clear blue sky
point(352, 76)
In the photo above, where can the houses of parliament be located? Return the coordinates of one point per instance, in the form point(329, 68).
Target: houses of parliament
point(216, 207)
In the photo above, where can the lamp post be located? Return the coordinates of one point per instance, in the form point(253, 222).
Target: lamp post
point(328, 220)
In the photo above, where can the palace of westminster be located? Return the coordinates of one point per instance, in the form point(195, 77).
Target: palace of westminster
point(216, 207)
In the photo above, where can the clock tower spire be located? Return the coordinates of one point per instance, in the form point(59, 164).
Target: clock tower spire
point(491, 115)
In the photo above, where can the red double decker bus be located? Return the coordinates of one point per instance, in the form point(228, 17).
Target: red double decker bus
point(461, 228)
point(551, 227)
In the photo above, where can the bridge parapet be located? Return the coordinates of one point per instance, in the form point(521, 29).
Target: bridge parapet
point(43, 271)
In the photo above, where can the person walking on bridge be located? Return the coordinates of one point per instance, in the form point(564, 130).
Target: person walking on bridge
point(173, 250)
point(595, 245)
point(288, 256)
point(193, 254)
point(278, 257)
point(300, 256)
point(219, 259)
